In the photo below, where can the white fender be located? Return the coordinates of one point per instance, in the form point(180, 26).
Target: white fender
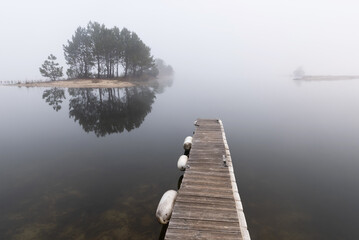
point(187, 143)
point(165, 206)
point(182, 162)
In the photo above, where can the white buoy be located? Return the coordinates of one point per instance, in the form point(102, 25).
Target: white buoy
point(182, 162)
point(187, 143)
point(165, 207)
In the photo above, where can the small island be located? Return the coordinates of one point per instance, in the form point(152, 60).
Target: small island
point(101, 57)
point(299, 74)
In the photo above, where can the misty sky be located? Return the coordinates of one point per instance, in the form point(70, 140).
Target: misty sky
point(239, 37)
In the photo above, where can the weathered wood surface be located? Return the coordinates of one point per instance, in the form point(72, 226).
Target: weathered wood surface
point(208, 204)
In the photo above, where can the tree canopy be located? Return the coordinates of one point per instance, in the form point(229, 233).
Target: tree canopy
point(50, 68)
point(163, 68)
point(96, 50)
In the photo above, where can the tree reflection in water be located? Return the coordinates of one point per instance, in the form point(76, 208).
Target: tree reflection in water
point(161, 84)
point(54, 97)
point(108, 110)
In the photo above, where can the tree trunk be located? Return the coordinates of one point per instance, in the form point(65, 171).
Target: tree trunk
point(86, 70)
point(107, 68)
point(117, 70)
point(110, 68)
point(98, 67)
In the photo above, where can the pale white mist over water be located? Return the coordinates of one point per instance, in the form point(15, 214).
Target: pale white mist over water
point(248, 37)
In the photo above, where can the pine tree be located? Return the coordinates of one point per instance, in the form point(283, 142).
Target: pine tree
point(51, 69)
point(101, 51)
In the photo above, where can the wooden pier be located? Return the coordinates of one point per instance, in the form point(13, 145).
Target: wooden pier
point(208, 205)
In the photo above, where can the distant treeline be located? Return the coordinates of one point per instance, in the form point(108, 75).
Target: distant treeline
point(97, 51)
point(162, 68)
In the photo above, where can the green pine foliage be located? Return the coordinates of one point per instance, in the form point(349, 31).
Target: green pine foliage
point(102, 52)
point(51, 69)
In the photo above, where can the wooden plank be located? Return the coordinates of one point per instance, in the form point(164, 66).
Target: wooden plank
point(209, 215)
point(193, 224)
point(175, 234)
point(207, 181)
point(207, 189)
point(205, 174)
point(205, 207)
point(213, 185)
point(206, 194)
point(205, 200)
point(208, 163)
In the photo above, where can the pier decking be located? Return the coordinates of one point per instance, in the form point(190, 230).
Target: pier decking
point(208, 204)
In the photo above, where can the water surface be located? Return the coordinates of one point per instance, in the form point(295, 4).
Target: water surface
point(93, 164)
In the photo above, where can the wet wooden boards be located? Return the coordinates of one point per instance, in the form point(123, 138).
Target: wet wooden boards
point(208, 204)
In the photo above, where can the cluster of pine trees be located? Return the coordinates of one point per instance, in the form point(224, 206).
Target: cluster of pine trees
point(98, 51)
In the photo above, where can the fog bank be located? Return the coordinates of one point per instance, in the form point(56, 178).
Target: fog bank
point(234, 38)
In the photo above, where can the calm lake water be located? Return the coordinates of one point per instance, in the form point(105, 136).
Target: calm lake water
point(93, 164)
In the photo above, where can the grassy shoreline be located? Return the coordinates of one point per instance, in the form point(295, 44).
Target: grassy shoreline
point(91, 83)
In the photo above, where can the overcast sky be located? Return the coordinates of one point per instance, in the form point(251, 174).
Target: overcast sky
point(243, 37)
